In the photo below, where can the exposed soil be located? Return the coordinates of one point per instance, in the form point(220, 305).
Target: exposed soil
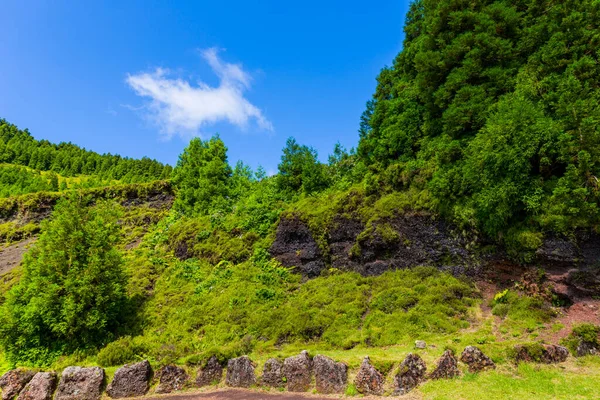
point(11, 256)
point(243, 394)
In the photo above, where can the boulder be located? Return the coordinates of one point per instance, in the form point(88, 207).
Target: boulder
point(476, 360)
point(447, 367)
point(131, 380)
point(41, 387)
point(541, 353)
point(240, 372)
point(14, 381)
point(368, 380)
point(410, 375)
point(586, 349)
point(554, 354)
point(77, 383)
point(210, 374)
point(273, 373)
point(170, 379)
point(420, 344)
point(330, 377)
point(298, 372)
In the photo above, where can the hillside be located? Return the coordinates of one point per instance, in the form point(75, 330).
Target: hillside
point(467, 216)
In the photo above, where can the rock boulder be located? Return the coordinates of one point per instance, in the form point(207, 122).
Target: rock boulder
point(476, 360)
point(210, 374)
point(170, 379)
point(368, 380)
point(541, 353)
point(273, 373)
point(586, 349)
point(447, 367)
point(131, 380)
point(77, 383)
point(298, 372)
point(240, 372)
point(330, 377)
point(410, 375)
point(14, 381)
point(41, 387)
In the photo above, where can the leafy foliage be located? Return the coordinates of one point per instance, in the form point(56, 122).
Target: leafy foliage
point(19, 147)
point(71, 294)
point(201, 176)
point(493, 107)
point(300, 171)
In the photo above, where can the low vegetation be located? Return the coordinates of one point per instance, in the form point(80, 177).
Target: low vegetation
point(487, 120)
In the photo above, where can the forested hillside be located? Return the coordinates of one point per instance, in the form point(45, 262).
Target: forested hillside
point(466, 215)
point(493, 108)
point(21, 148)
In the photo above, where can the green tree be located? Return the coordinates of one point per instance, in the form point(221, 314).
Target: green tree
point(71, 295)
point(202, 176)
point(300, 170)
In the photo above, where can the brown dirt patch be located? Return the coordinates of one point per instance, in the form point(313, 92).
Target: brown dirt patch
point(11, 256)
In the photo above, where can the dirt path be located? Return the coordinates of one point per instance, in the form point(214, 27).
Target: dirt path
point(11, 256)
point(242, 394)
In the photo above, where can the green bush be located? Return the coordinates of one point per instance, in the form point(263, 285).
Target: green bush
point(587, 333)
point(120, 352)
point(71, 295)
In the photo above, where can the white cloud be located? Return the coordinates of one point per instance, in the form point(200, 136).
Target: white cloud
point(179, 107)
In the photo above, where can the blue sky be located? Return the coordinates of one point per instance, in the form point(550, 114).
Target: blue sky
point(140, 77)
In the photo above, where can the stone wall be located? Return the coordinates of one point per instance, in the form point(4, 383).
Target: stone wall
point(299, 373)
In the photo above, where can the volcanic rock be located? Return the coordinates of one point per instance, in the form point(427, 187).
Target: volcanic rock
point(273, 373)
point(298, 372)
point(476, 360)
point(41, 387)
point(410, 375)
point(131, 380)
point(368, 380)
point(77, 383)
point(170, 379)
point(14, 381)
point(330, 377)
point(240, 372)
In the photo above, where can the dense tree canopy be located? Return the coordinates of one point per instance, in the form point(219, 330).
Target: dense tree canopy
point(202, 176)
point(19, 147)
point(494, 107)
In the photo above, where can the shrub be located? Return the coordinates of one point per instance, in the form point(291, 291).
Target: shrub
point(587, 333)
point(71, 295)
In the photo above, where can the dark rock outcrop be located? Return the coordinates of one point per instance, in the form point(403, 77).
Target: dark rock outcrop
point(210, 374)
point(14, 381)
point(77, 383)
point(171, 378)
point(410, 374)
point(406, 241)
point(476, 360)
point(240, 372)
point(273, 373)
point(447, 367)
point(40, 387)
point(131, 380)
point(298, 372)
point(330, 377)
point(294, 246)
point(368, 380)
point(554, 354)
point(541, 353)
point(586, 349)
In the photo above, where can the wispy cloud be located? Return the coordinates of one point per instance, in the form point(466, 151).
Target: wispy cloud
point(180, 107)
